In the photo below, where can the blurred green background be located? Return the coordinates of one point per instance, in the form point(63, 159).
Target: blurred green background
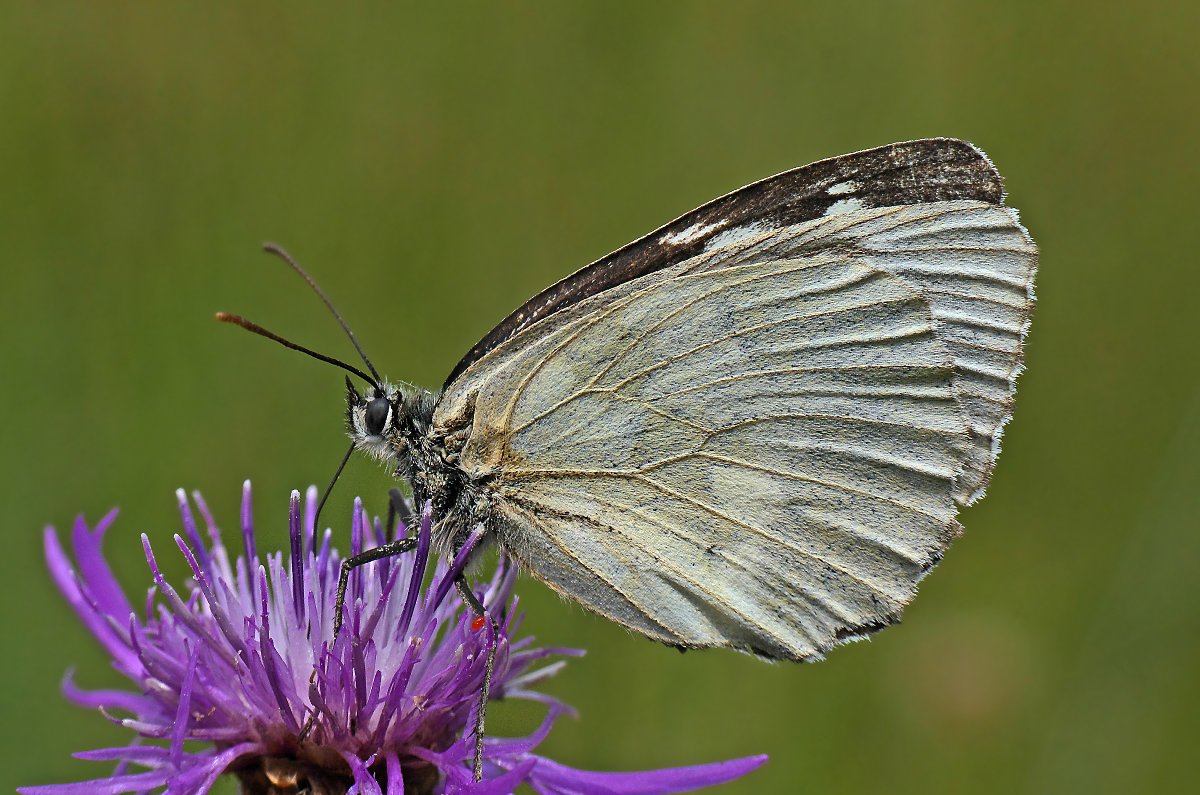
point(433, 169)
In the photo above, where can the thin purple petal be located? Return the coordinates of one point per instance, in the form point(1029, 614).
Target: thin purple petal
point(181, 611)
point(395, 775)
point(364, 782)
point(94, 570)
point(136, 782)
point(205, 770)
point(424, 539)
point(214, 605)
point(107, 699)
point(190, 528)
point(148, 755)
point(456, 568)
point(500, 785)
point(502, 747)
point(214, 532)
point(560, 778)
point(65, 578)
point(248, 526)
point(183, 715)
point(295, 533)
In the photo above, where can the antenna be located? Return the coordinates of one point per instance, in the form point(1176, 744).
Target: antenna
point(238, 320)
point(277, 250)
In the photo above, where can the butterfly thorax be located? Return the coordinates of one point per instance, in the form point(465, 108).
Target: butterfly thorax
point(424, 457)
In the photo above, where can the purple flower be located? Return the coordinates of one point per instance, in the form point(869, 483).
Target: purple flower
point(226, 673)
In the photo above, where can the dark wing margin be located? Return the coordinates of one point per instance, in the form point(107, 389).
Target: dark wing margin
point(913, 172)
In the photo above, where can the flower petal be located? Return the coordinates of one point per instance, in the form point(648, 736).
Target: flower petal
point(424, 536)
point(500, 785)
point(106, 699)
point(456, 568)
point(551, 777)
point(296, 536)
point(190, 528)
point(136, 782)
point(94, 570)
point(210, 596)
point(364, 782)
point(506, 747)
point(203, 770)
point(183, 714)
point(248, 528)
point(95, 621)
point(146, 755)
point(395, 775)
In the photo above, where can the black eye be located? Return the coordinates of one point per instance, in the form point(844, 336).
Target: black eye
point(377, 414)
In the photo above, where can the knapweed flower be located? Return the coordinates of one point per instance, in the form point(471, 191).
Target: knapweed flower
point(227, 672)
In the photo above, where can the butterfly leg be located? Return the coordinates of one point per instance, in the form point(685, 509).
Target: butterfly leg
point(485, 692)
point(388, 550)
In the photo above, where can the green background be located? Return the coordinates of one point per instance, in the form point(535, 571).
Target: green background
point(434, 169)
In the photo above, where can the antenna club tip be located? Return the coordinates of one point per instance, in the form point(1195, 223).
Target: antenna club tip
point(222, 317)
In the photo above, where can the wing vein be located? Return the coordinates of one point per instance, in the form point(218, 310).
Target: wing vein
point(665, 562)
point(902, 333)
point(570, 553)
point(760, 532)
point(946, 369)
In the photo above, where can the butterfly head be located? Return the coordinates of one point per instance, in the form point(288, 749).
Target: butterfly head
point(384, 421)
point(373, 417)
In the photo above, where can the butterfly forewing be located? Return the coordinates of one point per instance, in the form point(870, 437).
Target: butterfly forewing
point(763, 444)
point(911, 172)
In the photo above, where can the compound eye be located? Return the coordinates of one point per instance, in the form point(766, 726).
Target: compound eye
point(377, 414)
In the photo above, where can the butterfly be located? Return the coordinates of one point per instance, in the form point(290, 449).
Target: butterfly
point(752, 428)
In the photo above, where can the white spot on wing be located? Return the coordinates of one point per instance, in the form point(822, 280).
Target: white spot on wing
point(736, 234)
point(691, 233)
point(844, 206)
point(837, 189)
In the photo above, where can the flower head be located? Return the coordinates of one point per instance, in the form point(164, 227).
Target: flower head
point(227, 672)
